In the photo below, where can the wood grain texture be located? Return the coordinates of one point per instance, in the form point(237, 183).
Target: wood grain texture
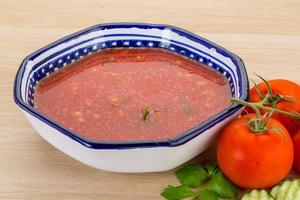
point(265, 33)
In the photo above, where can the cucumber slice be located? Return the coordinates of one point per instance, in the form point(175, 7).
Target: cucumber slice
point(257, 195)
point(288, 190)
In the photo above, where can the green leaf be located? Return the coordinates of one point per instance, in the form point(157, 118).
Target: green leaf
point(177, 193)
point(192, 175)
point(221, 186)
point(211, 169)
point(145, 112)
point(208, 195)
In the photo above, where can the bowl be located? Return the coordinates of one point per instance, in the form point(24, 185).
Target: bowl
point(133, 156)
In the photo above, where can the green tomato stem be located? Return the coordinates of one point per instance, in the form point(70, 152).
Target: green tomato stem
point(260, 105)
point(259, 124)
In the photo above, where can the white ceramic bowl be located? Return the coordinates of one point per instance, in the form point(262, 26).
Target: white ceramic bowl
point(135, 156)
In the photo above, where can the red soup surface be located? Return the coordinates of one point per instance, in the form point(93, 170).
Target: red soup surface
point(132, 94)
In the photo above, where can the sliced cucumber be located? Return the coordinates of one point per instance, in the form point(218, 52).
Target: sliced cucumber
point(257, 195)
point(288, 190)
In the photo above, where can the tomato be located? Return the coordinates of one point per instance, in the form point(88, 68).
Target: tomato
point(286, 88)
point(255, 160)
point(296, 142)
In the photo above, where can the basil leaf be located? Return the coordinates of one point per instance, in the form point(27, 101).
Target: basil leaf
point(192, 175)
point(208, 195)
point(221, 186)
point(177, 193)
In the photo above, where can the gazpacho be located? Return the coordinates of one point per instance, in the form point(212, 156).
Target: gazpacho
point(124, 94)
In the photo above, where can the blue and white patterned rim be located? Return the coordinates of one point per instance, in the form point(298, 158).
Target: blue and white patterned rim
point(73, 47)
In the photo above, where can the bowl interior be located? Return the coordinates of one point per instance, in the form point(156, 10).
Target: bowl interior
point(74, 47)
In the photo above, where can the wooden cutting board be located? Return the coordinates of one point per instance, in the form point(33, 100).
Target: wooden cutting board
point(265, 33)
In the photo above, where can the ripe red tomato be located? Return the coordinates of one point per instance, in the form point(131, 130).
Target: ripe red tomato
point(282, 87)
point(255, 160)
point(296, 142)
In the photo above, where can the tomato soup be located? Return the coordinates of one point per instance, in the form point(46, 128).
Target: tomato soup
point(132, 94)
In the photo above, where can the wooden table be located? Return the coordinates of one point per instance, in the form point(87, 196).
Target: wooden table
point(265, 33)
